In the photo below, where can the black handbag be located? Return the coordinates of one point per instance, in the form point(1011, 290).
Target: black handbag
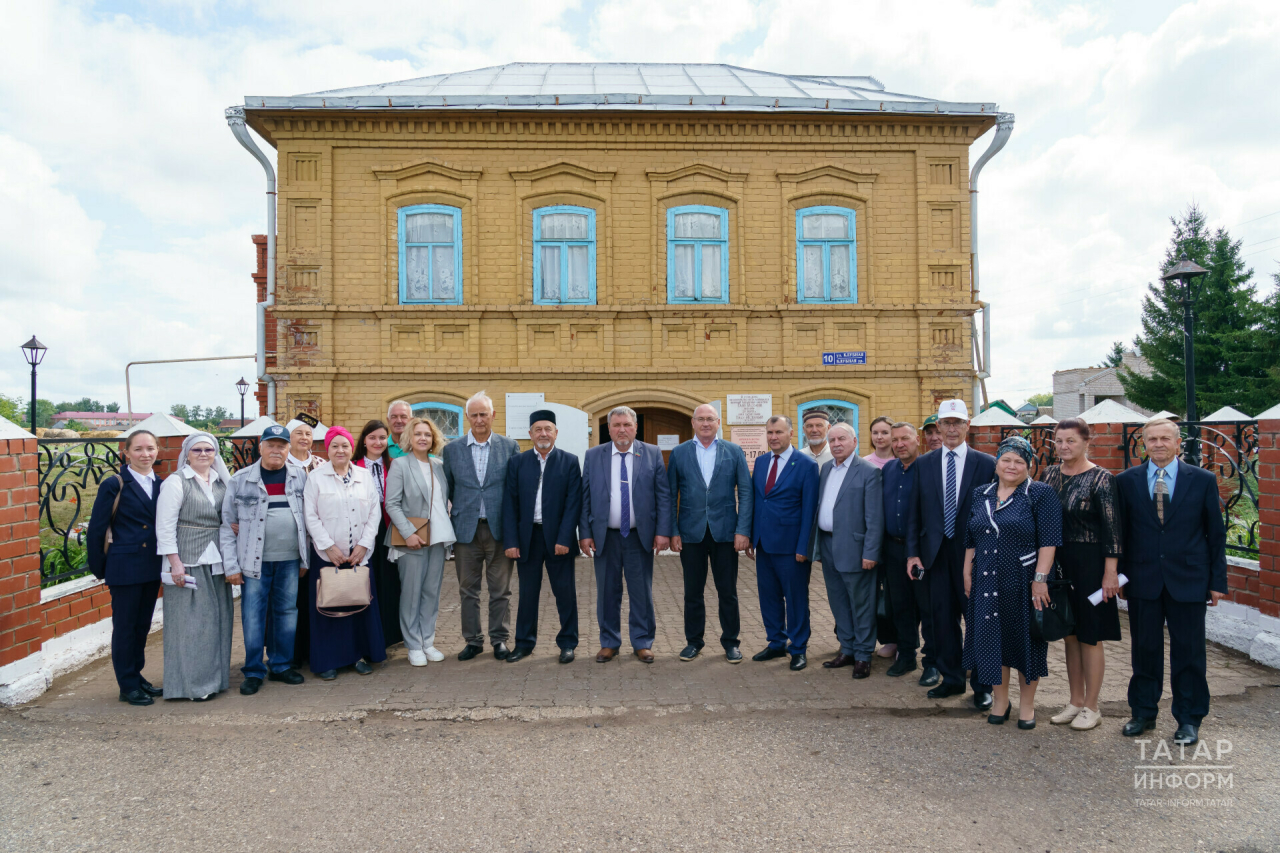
point(1056, 620)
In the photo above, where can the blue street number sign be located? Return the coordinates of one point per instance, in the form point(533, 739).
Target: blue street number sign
point(835, 359)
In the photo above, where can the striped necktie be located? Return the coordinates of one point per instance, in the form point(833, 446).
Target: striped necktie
point(1161, 493)
point(949, 500)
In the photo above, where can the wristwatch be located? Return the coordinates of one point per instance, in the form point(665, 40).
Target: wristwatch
point(1040, 577)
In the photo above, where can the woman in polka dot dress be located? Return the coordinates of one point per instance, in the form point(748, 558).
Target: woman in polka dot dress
point(1013, 532)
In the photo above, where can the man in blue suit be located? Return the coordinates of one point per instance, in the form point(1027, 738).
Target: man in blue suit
point(539, 526)
point(712, 494)
point(626, 519)
point(782, 515)
point(1176, 560)
point(935, 541)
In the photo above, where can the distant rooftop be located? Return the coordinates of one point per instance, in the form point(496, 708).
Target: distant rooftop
point(626, 86)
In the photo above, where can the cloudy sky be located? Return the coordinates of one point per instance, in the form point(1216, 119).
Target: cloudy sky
point(126, 206)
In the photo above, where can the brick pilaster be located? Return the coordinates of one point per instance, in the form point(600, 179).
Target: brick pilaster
point(21, 619)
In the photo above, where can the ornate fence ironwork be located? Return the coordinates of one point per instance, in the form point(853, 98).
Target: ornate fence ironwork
point(1041, 438)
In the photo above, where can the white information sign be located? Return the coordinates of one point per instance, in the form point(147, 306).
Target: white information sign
point(519, 407)
point(668, 442)
point(750, 408)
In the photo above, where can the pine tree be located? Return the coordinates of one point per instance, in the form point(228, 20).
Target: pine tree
point(1230, 368)
point(1115, 357)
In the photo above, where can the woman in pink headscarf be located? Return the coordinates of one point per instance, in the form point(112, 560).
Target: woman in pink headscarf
point(342, 511)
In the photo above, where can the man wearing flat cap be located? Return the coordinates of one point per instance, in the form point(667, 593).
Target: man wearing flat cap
point(543, 498)
point(816, 423)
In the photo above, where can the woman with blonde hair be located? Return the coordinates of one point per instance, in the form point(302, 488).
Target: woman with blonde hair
point(417, 490)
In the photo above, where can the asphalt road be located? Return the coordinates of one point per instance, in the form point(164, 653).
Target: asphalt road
point(800, 780)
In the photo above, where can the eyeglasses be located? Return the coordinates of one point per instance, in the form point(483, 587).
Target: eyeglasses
point(202, 450)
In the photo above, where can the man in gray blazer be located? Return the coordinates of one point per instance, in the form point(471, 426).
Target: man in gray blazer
point(626, 519)
point(712, 495)
point(476, 470)
point(847, 538)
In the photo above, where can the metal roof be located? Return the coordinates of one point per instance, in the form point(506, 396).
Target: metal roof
point(646, 86)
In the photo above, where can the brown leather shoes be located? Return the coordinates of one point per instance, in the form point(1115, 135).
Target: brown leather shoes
point(645, 655)
point(606, 655)
point(861, 668)
point(841, 659)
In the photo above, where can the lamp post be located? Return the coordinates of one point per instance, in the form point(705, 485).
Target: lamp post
point(242, 387)
point(1185, 272)
point(33, 351)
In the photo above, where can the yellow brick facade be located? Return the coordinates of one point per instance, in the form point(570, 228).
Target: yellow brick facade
point(346, 347)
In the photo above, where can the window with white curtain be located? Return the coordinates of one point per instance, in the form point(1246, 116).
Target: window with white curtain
point(564, 255)
point(697, 254)
point(826, 255)
point(430, 254)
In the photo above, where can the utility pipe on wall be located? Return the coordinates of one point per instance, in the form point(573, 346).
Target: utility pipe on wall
point(128, 390)
point(1004, 127)
point(235, 120)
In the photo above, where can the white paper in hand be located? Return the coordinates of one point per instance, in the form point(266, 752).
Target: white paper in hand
point(166, 578)
point(1096, 598)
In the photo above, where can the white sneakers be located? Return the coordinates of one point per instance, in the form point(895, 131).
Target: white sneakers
point(1066, 715)
point(417, 658)
point(1086, 719)
point(434, 655)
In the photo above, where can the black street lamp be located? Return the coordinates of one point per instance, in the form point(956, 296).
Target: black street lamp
point(33, 351)
point(1185, 272)
point(242, 387)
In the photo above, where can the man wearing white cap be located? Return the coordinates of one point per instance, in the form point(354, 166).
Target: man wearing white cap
point(935, 540)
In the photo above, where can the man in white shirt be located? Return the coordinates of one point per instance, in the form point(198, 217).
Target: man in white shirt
point(816, 423)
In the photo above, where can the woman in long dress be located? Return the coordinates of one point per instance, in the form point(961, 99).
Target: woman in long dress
point(342, 513)
point(198, 611)
point(372, 454)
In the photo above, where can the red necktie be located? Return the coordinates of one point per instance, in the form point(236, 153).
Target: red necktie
point(773, 475)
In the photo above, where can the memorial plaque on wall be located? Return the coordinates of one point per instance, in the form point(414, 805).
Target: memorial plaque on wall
point(519, 407)
point(750, 408)
point(752, 441)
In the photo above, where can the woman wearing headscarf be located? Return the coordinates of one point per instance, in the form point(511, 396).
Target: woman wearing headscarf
point(300, 439)
point(1011, 536)
point(342, 512)
point(198, 611)
point(417, 489)
point(373, 454)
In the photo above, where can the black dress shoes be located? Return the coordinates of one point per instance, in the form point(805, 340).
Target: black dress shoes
point(137, 696)
point(841, 659)
point(902, 666)
point(942, 691)
point(363, 667)
point(690, 652)
point(930, 677)
point(518, 655)
point(861, 668)
point(982, 701)
point(150, 689)
point(1026, 725)
point(500, 651)
point(798, 662)
point(1186, 735)
point(1000, 719)
point(469, 652)
point(770, 653)
point(566, 656)
point(250, 685)
point(289, 676)
point(1138, 725)
point(327, 675)
point(733, 655)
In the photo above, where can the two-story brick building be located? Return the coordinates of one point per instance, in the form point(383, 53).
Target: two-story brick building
point(649, 235)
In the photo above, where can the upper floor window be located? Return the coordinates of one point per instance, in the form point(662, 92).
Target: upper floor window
point(564, 255)
point(697, 254)
point(826, 256)
point(444, 415)
point(430, 254)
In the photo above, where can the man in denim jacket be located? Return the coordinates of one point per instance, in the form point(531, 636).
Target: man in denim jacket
point(264, 538)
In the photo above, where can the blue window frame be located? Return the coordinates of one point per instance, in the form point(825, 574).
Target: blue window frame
point(826, 255)
point(840, 412)
point(564, 255)
point(697, 254)
point(430, 254)
point(448, 417)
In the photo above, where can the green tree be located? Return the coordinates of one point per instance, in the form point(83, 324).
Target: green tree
point(179, 411)
point(1045, 399)
point(44, 414)
point(1230, 367)
point(1115, 357)
point(113, 407)
point(13, 409)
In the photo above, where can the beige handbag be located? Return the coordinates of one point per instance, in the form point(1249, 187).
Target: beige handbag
point(343, 586)
point(421, 526)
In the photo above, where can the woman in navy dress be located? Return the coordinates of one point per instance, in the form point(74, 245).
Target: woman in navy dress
point(1010, 540)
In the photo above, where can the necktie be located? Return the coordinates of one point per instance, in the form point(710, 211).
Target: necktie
point(949, 501)
point(1162, 491)
point(773, 475)
point(624, 527)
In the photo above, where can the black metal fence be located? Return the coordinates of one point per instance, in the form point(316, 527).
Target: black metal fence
point(70, 468)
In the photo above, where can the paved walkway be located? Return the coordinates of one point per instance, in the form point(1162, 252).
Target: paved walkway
point(541, 688)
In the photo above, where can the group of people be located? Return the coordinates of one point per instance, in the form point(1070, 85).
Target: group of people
point(935, 556)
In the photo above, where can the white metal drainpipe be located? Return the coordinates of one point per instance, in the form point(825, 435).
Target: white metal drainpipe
point(1004, 127)
point(235, 120)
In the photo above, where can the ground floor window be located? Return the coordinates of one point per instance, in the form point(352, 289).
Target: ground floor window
point(444, 415)
point(840, 412)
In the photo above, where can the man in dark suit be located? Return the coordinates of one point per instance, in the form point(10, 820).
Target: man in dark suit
point(1176, 560)
point(539, 525)
point(935, 541)
point(626, 519)
point(786, 502)
point(131, 566)
point(712, 494)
